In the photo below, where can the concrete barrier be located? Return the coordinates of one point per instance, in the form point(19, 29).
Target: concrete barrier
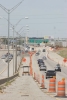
point(2, 81)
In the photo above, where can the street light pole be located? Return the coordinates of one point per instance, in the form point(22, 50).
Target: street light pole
point(8, 39)
point(13, 50)
point(8, 12)
point(16, 44)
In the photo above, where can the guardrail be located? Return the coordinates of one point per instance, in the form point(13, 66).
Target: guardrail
point(2, 81)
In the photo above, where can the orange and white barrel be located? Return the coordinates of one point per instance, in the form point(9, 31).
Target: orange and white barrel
point(42, 83)
point(52, 85)
point(61, 89)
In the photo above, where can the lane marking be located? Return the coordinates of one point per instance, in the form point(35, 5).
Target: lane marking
point(3, 70)
point(58, 99)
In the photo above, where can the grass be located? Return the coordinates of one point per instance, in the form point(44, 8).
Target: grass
point(63, 52)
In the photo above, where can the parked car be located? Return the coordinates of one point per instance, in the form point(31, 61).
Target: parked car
point(58, 68)
point(50, 73)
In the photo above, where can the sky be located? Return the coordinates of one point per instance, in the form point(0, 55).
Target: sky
point(45, 18)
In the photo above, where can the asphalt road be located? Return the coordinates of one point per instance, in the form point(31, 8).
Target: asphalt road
point(4, 65)
point(50, 66)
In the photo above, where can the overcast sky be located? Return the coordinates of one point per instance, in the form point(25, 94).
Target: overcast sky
point(46, 17)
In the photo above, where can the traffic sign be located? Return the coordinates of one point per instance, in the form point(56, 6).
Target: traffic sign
point(65, 60)
point(24, 59)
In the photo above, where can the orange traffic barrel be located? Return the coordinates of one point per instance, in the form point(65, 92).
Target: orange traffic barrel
point(42, 83)
point(34, 75)
point(39, 79)
point(52, 85)
point(61, 88)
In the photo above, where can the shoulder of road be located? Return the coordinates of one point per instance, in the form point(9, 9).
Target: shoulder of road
point(57, 58)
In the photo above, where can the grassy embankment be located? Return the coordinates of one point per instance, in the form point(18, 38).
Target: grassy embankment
point(62, 52)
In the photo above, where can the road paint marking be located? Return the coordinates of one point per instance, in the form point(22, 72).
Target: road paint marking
point(57, 99)
point(51, 95)
point(3, 70)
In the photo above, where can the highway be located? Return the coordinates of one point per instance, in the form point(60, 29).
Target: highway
point(27, 85)
point(4, 65)
point(50, 66)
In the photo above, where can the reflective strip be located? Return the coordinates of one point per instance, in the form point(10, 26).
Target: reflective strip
point(61, 91)
point(52, 86)
point(52, 82)
point(61, 86)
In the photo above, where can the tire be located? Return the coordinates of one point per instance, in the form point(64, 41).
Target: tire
point(46, 77)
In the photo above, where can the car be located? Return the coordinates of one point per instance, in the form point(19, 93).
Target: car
point(42, 68)
point(9, 59)
point(44, 58)
point(11, 55)
point(6, 60)
point(40, 61)
point(3, 56)
point(44, 50)
point(58, 68)
point(33, 49)
point(37, 53)
point(41, 64)
point(50, 73)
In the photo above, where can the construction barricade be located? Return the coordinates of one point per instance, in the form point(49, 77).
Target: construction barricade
point(61, 88)
point(52, 85)
point(38, 78)
point(42, 83)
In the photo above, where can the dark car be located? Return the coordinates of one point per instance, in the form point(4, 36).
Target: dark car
point(44, 50)
point(32, 48)
point(58, 68)
point(37, 53)
point(50, 73)
point(40, 61)
point(42, 65)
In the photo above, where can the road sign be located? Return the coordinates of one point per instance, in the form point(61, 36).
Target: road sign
point(24, 59)
point(64, 60)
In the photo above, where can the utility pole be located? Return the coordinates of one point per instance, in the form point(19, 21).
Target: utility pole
point(8, 11)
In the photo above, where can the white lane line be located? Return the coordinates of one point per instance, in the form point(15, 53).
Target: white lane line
point(57, 99)
point(3, 70)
